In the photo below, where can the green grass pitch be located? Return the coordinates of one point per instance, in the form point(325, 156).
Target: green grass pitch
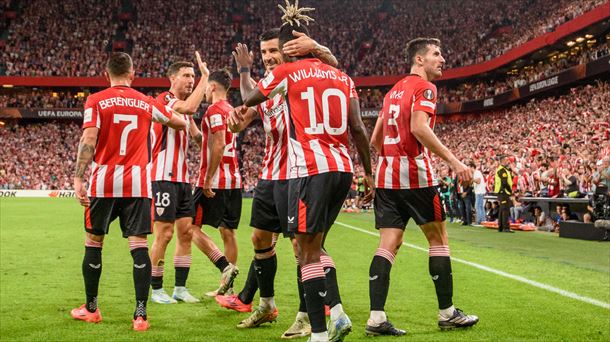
point(41, 249)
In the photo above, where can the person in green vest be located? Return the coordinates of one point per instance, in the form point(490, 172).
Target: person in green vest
point(503, 187)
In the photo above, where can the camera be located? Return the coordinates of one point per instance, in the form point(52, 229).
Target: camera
point(601, 207)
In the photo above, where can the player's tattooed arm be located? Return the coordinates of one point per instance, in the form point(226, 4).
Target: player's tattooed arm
point(303, 45)
point(86, 150)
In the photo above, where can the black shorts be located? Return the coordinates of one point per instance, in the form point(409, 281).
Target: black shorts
point(222, 210)
point(394, 207)
point(315, 201)
point(270, 206)
point(360, 194)
point(173, 200)
point(134, 213)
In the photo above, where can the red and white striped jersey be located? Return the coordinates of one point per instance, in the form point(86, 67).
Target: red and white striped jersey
point(170, 148)
point(318, 98)
point(227, 174)
point(404, 163)
point(121, 164)
point(273, 115)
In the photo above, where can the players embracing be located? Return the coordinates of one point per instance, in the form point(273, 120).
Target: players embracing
point(270, 202)
point(321, 102)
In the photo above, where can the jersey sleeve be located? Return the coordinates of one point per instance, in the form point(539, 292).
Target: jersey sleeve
point(425, 98)
point(215, 118)
point(91, 116)
point(160, 112)
point(276, 82)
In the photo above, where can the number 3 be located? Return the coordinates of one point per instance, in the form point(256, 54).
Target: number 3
point(393, 112)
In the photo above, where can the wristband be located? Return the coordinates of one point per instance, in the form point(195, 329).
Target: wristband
point(244, 69)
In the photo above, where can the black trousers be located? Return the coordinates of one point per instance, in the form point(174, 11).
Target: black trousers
point(504, 212)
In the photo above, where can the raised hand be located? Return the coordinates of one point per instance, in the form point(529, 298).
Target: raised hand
point(203, 67)
point(243, 57)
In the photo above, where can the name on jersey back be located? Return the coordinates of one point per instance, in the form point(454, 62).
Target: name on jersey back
point(303, 74)
point(124, 102)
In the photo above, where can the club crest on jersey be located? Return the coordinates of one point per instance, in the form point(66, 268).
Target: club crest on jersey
point(160, 211)
point(168, 97)
point(428, 94)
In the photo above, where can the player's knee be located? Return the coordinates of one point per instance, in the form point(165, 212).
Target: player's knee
point(261, 239)
point(227, 234)
point(165, 236)
point(185, 236)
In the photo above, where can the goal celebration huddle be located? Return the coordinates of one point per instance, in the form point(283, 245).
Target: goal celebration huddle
point(136, 150)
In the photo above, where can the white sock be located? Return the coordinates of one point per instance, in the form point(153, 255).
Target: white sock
point(335, 312)
point(322, 336)
point(376, 318)
point(302, 316)
point(179, 288)
point(268, 303)
point(447, 313)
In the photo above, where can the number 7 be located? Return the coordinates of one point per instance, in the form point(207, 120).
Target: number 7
point(133, 124)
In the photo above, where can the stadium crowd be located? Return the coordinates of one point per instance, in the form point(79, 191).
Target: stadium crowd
point(46, 39)
point(550, 141)
point(472, 89)
point(564, 136)
point(479, 89)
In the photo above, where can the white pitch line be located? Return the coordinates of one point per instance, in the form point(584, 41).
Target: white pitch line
point(501, 273)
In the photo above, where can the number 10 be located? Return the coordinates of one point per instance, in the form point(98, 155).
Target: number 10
point(321, 128)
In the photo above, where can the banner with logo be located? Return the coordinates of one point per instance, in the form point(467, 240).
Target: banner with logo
point(37, 193)
point(41, 113)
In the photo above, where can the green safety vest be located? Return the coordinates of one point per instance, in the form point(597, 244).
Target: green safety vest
point(501, 173)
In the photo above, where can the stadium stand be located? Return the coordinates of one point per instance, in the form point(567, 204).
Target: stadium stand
point(47, 39)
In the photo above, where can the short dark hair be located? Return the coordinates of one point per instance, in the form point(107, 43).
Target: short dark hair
point(119, 64)
point(222, 77)
point(419, 46)
point(176, 66)
point(269, 34)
